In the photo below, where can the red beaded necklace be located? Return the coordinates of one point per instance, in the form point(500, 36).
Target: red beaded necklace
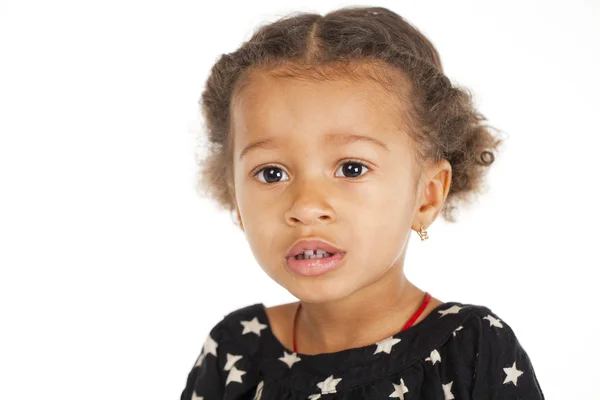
point(406, 326)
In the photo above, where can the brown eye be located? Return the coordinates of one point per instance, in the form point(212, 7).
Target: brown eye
point(271, 174)
point(352, 169)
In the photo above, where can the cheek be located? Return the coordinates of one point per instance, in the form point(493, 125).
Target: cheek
point(385, 202)
point(260, 250)
point(381, 227)
point(250, 208)
point(261, 235)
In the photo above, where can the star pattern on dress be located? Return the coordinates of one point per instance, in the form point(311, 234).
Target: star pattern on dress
point(399, 390)
point(196, 397)
point(235, 375)
point(231, 360)
point(253, 326)
point(493, 321)
point(200, 359)
point(386, 345)
point(209, 347)
point(512, 374)
point(433, 357)
point(289, 359)
point(452, 310)
point(328, 385)
point(456, 330)
point(448, 391)
point(259, 390)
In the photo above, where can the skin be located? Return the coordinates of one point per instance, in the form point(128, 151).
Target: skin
point(369, 216)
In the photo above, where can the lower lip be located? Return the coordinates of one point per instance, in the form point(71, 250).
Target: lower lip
point(315, 266)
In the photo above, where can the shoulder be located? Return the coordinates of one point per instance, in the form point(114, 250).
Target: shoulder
point(472, 332)
point(235, 336)
point(479, 313)
point(488, 325)
point(500, 364)
point(240, 331)
point(493, 333)
point(481, 328)
point(258, 317)
point(232, 324)
point(225, 367)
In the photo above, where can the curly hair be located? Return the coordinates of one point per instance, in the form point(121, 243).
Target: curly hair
point(440, 117)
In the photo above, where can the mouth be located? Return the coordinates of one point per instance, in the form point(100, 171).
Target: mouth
point(314, 255)
point(314, 266)
point(313, 248)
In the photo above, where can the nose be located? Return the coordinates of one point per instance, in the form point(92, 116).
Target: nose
point(309, 214)
point(310, 208)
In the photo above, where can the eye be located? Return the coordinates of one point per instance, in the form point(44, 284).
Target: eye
point(271, 173)
point(353, 168)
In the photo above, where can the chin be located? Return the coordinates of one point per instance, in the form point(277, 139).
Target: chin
point(328, 287)
point(318, 290)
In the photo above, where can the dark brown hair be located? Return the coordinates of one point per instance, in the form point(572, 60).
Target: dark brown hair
point(438, 116)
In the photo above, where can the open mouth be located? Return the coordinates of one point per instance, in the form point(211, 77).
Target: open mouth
point(315, 265)
point(312, 255)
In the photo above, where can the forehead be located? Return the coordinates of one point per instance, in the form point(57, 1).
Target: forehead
point(301, 107)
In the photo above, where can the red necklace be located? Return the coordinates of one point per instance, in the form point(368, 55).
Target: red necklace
point(406, 326)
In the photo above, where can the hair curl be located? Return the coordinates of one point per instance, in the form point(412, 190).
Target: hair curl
point(440, 117)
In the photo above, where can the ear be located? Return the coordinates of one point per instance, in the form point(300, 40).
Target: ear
point(432, 191)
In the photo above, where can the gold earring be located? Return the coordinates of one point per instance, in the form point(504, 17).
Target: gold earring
point(423, 234)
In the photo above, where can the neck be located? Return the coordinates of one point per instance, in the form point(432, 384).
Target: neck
point(365, 317)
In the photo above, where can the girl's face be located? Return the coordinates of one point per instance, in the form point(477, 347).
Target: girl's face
point(308, 190)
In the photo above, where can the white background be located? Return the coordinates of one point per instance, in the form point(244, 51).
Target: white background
point(113, 269)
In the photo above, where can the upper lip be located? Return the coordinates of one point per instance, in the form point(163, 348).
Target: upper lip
point(311, 244)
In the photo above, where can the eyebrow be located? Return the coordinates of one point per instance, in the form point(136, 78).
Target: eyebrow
point(331, 138)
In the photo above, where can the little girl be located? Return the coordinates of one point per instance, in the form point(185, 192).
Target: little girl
point(332, 137)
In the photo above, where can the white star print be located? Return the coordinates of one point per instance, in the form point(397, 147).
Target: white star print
point(386, 345)
point(200, 359)
point(512, 374)
point(493, 321)
point(399, 390)
point(328, 385)
point(314, 396)
point(259, 390)
point(448, 391)
point(452, 310)
point(209, 347)
point(435, 356)
point(289, 359)
point(231, 359)
point(235, 375)
point(456, 330)
point(253, 326)
point(196, 397)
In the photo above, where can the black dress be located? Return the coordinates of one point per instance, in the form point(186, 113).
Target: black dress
point(458, 351)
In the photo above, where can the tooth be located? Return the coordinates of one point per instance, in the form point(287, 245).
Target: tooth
point(312, 254)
